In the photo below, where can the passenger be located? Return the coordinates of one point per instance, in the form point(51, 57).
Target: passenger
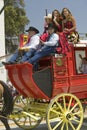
point(54, 18)
point(83, 67)
point(57, 20)
point(69, 26)
point(28, 49)
point(48, 46)
point(48, 20)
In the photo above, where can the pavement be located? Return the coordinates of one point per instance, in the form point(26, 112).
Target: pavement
point(14, 126)
point(11, 123)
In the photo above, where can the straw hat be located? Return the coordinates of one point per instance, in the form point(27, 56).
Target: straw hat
point(49, 16)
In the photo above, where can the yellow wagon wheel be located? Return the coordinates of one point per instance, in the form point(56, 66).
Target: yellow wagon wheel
point(23, 116)
point(65, 112)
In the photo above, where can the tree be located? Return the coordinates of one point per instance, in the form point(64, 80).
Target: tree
point(15, 21)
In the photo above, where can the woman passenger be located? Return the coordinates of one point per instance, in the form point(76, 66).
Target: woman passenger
point(69, 26)
point(57, 20)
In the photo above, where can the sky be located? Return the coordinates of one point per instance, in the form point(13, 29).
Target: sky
point(35, 11)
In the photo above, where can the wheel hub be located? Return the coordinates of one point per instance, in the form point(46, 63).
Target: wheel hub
point(67, 116)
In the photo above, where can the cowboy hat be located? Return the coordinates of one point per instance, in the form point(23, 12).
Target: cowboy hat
point(32, 29)
point(49, 16)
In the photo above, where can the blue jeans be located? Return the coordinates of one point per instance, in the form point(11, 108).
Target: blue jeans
point(25, 55)
point(14, 56)
point(41, 53)
point(28, 55)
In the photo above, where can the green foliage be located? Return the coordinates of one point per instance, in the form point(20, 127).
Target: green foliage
point(15, 18)
point(15, 21)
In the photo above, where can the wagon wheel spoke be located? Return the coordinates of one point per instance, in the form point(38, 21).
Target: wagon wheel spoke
point(64, 102)
point(55, 112)
point(63, 126)
point(74, 107)
point(79, 113)
point(57, 125)
point(73, 128)
point(67, 126)
point(59, 106)
point(70, 102)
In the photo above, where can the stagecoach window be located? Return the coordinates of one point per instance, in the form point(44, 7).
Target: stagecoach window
point(78, 59)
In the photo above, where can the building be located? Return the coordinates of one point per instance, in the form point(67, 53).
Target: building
point(2, 43)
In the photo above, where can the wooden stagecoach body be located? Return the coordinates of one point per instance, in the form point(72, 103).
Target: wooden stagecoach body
point(57, 74)
point(57, 81)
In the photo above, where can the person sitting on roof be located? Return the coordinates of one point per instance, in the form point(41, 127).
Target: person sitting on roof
point(48, 46)
point(57, 21)
point(54, 18)
point(69, 26)
point(28, 49)
point(48, 20)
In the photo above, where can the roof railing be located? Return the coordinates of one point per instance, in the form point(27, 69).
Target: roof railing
point(83, 36)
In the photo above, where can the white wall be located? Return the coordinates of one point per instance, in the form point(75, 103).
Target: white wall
point(2, 43)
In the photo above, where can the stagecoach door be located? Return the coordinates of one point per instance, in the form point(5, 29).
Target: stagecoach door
point(78, 80)
point(60, 74)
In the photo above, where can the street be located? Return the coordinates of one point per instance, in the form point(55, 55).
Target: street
point(44, 127)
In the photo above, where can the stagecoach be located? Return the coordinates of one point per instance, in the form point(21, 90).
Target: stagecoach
point(57, 92)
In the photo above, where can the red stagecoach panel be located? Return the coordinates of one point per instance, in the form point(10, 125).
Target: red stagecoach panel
point(60, 66)
point(60, 75)
point(78, 85)
point(21, 77)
